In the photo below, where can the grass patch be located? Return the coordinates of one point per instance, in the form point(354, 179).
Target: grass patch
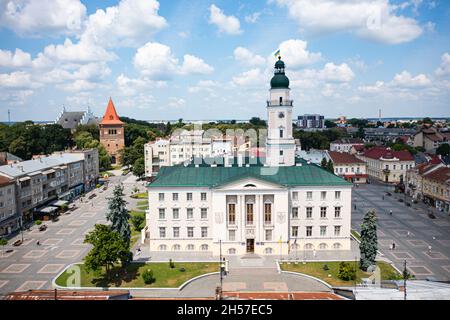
point(142, 195)
point(356, 235)
point(131, 276)
point(315, 269)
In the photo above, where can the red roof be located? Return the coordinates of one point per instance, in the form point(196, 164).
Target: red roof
point(111, 116)
point(441, 175)
point(387, 153)
point(343, 158)
point(4, 181)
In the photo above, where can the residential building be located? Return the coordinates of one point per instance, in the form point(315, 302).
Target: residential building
point(431, 138)
point(345, 144)
point(311, 122)
point(436, 188)
point(112, 132)
point(9, 220)
point(387, 165)
point(7, 158)
point(348, 166)
point(387, 134)
point(72, 119)
point(62, 175)
point(269, 206)
point(414, 179)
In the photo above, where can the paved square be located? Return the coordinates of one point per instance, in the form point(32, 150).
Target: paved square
point(445, 243)
point(78, 242)
point(31, 285)
point(77, 223)
point(234, 286)
point(275, 286)
point(3, 283)
point(417, 224)
point(51, 268)
point(441, 223)
point(435, 255)
point(402, 255)
point(88, 214)
point(16, 268)
point(420, 270)
point(403, 233)
point(51, 242)
point(65, 231)
point(35, 254)
point(5, 254)
point(417, 243)
point(67, 254)
point(446, 268)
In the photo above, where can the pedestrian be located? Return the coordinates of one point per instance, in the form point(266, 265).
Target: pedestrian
point(429, 249)
point(408, 234)
point(393, 245)
point(390, 212)
point(38, 243)
point(354, 206)
point(382, 197)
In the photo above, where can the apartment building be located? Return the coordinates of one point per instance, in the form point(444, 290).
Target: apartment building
point(9, 220)
point(345, 144)
point(349, 167)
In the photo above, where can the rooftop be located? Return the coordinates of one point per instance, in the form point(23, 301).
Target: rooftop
point(387, 153)
point(348, 141)
point(343, 158)
point(111, 116)
point(441, 175)
point(4, 181)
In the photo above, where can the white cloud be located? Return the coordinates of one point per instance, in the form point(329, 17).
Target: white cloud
point(295, 54)
point(376, 88)
point(41, 17)
point(336, 73)
point(16, 80)
point(406, 80)
point(371, 19)
point(444, 68)
point(247, 57)
point(15, 97)
point(195, 65)
point(157, 61)
point(80, 85)
point(251, 78)
point(130, 23)
point(204, 85)
point(176, 102)
point(15, 59)
point(91, 71)
point(129, 87)
point(252, 18)
point(226, 24)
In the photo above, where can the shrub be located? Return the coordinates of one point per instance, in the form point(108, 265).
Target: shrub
point(38, 222)
point(182, 269)
point(148, 277)
point(347, 271)
point(138, 221)
point(171, 264)
point(325, 267)
point(98, 186)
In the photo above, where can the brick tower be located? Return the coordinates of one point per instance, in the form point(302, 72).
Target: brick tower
point(112, 135)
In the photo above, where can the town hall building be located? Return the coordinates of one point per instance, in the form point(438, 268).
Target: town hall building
point(275, 205)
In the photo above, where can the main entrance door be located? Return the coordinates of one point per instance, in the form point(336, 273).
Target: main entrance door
point(250, 245)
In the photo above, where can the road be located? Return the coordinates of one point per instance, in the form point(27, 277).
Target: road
point(412, 247)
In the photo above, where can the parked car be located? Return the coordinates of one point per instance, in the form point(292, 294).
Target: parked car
point(42, 227)
point(388, 194)
point(17, 243)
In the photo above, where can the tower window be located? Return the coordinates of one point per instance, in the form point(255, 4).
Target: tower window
point(281, 133)
point(281, 101)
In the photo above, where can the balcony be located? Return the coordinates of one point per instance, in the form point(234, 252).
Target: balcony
point(286, 103)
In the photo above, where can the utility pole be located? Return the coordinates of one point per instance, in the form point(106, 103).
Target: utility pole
point(9, 117)
point(405, 275)
point(221, 269)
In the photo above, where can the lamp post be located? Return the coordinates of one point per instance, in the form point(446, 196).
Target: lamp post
point(221, 268)
point(405, 275)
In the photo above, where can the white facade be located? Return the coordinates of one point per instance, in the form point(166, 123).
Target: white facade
point(250, 215)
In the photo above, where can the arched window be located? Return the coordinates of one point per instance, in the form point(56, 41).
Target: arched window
point(190, 247)
point(204, 247)
point(281, 132)
point(162, 247)
point(176, 247)
point(232, 251)
point(309, 246)
point(295, 246)
point(323, 246)
point(268, 250)
point(250, 185)
point(337, 245)
point(281, 101)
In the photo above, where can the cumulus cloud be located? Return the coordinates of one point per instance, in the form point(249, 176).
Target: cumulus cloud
point(157, 61)
point(371, 19)
point(226, 24)
point(17, 80)
point(252, 18)
point(247, 57)
point(444, 68)
point(294, 52)
point(128, 86)
point(204, 85)
point(15, 59)
point(42, 17)
point(406, 80)
point(130, 23)
point(252, 78)
point(175, 102)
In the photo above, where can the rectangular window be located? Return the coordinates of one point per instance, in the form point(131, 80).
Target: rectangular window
point(309, 212)
point(249, 215)
point(309, 195)
point(337, 231)
point(189, 213)
point(267, 213)
point(323, 212)
point(203, 196)
point(323, 195)
point(337, 195)
point(161, 196)
point(337, 212)
point(204, 213)
point(268, 235)
point(323, 231)
point(232, 235)
point(294, 213)
point(162, 213)
point(309, 231)
point(190, 232)
point(189, 196)
point(295, 195)
point(231, 213)
point(294, 231)
point(176, 213)
point(175, 196)
point(162, 232)
point(204, 232)
point(176, 232)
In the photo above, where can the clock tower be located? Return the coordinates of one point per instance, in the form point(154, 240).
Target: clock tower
point(280, 144)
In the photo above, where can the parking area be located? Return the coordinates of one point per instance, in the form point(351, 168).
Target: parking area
point(410, 228)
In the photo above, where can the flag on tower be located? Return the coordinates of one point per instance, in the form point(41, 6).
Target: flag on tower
point(276, 54)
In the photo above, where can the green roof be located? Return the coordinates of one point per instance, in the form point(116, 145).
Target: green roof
point(206, 176)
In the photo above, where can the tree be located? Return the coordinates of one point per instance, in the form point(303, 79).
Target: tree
point(346, 271)
point(139, 168)
point(3, 242)
point(324, 163)
point(138, 221)
point(257, 122)
point(369, 240)
point(330, 124)
point(330, 166)
point(118, 214)
point(108, 248)
point(443, 149)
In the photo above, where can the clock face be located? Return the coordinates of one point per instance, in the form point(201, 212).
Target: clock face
point(281, 115)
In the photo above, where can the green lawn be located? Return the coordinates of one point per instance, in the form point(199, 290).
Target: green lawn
point(142, 195)
point(356, 235)
point(315, 269)
point(165, 277)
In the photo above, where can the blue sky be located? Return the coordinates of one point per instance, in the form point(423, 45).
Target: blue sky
point(202, 59)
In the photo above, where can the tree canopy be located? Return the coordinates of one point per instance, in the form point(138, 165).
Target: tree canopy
point(118, 214)
point(369, 240)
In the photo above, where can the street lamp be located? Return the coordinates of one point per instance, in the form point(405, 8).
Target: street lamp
point(405, 275)
point(221, 268)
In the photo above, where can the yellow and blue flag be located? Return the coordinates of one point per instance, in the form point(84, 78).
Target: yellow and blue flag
point(276, 54)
